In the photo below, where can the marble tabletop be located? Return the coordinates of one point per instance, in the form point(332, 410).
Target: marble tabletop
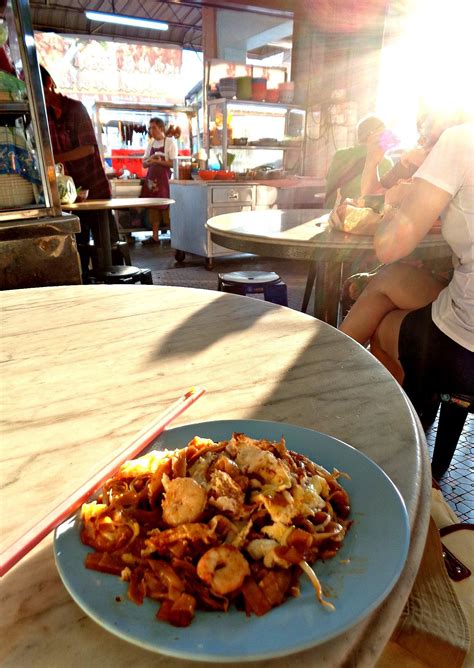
point(117, 203)
point(302, 234)
point(102, 206)
point(84, 368)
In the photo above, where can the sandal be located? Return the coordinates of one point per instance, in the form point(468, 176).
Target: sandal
point(149, 242)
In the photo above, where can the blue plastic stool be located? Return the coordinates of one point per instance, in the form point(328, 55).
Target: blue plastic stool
point(251, 282)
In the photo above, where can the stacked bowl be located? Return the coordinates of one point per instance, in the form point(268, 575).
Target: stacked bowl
point(228, 87)
point(244, 88)
point(286, 92)
point(207, 174)
point(259, 88)
point(272, 95)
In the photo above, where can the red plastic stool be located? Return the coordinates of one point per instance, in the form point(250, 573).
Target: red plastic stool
point(251, 282)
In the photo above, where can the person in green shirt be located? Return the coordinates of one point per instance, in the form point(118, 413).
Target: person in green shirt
point(346, 168)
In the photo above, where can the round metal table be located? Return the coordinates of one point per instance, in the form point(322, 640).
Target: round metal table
point(104, 205)
point(304, 234)
point(87, 367)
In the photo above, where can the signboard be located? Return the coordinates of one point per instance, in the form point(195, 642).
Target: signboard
point(109, 71)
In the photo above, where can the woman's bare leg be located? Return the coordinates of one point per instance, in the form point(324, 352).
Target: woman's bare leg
point(384, 343)
point(397, 286)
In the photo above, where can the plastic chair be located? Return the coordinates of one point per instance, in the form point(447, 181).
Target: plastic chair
point(251, 282)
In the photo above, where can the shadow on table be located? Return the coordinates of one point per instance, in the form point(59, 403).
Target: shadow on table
point(239, 314)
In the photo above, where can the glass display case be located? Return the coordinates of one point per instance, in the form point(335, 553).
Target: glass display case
point(255, 139)
point(252, 126)
point(195, 99)
point(27, 176)
point(37, 241)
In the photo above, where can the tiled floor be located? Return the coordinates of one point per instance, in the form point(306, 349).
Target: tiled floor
point(458, 483)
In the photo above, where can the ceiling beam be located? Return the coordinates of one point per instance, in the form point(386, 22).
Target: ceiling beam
point(284, 8)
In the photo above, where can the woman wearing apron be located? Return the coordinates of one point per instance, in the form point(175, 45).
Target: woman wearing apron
point(159, 156)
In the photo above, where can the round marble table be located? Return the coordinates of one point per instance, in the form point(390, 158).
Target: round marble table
point(84, 368)
point(304, 234)
point(104, 205)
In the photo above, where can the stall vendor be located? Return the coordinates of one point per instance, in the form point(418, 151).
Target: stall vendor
point(74, 144)
point(159, 156)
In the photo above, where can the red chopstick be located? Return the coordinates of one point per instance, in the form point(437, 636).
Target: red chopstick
point(31, 538)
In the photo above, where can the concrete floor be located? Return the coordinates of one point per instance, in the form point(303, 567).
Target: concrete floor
point(457, 484)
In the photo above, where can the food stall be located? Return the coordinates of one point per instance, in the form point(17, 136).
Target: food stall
point(122, 136)
point(254, 137)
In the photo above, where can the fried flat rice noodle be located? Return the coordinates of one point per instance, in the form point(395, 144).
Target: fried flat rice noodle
point(214, 525)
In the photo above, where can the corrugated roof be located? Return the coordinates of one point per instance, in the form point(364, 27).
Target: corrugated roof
point(67, 16)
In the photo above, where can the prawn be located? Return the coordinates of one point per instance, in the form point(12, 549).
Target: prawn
point(184, 501)
point(223, 568)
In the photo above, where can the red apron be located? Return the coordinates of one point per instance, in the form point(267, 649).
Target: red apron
point(157, 181)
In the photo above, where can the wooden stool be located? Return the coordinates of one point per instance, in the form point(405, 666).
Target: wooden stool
point(251, 282)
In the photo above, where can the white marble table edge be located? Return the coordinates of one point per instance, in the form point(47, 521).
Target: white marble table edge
point(374, 641)
point(345, 241)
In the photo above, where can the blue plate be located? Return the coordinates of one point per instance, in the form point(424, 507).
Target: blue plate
point(357, 580)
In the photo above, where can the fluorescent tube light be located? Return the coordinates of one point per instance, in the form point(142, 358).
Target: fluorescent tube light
point(126, 20)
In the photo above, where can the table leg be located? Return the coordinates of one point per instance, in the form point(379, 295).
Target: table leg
point(327, 292)
point(105, 247)
point(310, 281)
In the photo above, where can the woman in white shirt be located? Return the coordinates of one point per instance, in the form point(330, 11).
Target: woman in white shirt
point(159, 156)
point(423, 328)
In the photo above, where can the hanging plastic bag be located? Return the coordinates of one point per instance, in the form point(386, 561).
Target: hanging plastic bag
point(354, 220)
point(66, 187)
